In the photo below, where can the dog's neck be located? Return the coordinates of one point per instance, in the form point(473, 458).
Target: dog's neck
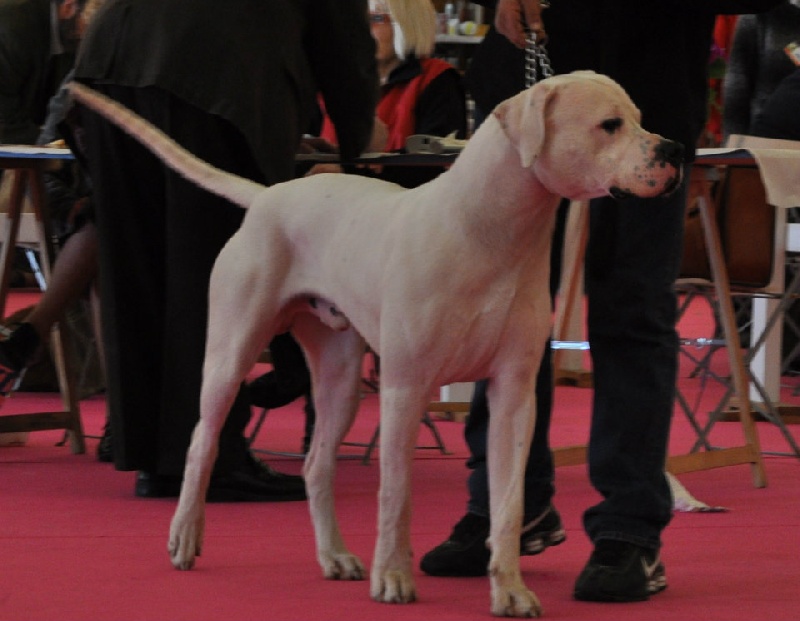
point(505, 196)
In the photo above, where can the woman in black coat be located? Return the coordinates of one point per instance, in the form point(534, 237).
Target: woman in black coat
point(235, 83)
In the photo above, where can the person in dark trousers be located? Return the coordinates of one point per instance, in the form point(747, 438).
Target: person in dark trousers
point(659, 53)
point(235, 83)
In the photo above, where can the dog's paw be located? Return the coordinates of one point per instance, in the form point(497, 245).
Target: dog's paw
point(393, 587)
point(515, 602)
point(183, 551)
point(182, 556)
point(342, 566)
point(185, 544)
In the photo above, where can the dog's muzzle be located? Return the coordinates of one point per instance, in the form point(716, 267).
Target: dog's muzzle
point(666, 153)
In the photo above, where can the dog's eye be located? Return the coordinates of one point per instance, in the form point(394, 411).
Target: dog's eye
point(611, 125)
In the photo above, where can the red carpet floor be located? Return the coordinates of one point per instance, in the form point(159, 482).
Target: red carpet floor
point(77, 545)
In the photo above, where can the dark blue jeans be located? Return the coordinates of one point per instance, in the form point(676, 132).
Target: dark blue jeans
point(632, 261)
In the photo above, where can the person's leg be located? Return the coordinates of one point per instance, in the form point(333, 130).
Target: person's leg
point(464, 553)
point(130, 226)
point(198, 225)
point(311, 421)
point(289, 378)
point(73, 271)
point(158, 241)
point(632, 262)
point(539, 469)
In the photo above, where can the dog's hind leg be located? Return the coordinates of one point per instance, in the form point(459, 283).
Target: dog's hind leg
point(221, 380)
point(229, 356)
point(334, 359)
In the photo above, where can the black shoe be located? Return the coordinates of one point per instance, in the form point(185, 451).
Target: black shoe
point(464, 553)
point(255, 481)
point(542, 532)
point(149, 485)
point(105, 449)
point(619, 571)
point(15, 353)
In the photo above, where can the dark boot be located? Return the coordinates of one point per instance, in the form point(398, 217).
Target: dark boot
point(16, 352)
point(105, 448)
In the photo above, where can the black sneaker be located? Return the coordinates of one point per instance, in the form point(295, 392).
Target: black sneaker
point(620, 571)
point(542, 532)
point(465, 552)
point(151, 485)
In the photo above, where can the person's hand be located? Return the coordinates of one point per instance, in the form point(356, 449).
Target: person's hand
point(513, 16)
point(312, 144)
point(318, 169)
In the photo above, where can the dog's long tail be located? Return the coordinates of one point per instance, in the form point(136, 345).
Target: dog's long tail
point(236, 189)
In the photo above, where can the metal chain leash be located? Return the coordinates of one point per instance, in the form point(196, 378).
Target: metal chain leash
point(537, 62)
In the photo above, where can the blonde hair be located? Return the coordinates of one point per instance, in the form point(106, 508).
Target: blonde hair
point(414, 26)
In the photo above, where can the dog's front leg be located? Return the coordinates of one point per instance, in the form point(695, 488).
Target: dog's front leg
point(401, 413)
point(513, 407)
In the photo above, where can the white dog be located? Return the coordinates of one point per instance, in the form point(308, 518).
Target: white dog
point(447, 282)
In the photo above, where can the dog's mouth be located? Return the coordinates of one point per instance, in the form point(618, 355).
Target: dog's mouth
point(670, 186)
point(619, 193)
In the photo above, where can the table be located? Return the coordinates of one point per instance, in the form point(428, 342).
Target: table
point(23, 168)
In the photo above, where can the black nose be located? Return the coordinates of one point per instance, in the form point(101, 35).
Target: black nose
point(670, 152)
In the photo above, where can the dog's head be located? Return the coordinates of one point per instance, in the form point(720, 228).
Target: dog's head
point(581, 135)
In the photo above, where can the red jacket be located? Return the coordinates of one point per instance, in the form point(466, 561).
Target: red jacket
point(398, 104)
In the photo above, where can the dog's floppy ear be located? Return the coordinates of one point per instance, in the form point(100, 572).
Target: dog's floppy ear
point(522, 118)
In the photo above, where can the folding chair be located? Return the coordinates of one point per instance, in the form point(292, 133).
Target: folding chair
point(755, 241)
point(23, 170)
point(569, 339)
